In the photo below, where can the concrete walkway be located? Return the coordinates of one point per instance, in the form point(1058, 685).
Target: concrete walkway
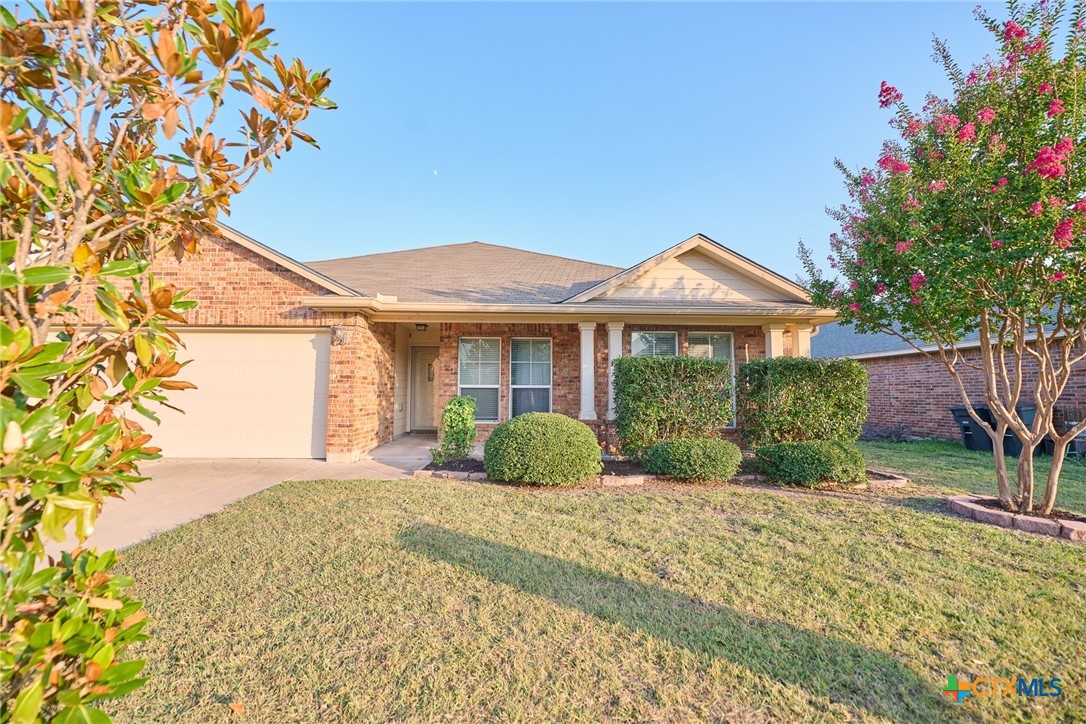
point(182, 490)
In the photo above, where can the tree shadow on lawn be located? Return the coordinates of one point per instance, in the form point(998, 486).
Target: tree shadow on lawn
point(841, 671)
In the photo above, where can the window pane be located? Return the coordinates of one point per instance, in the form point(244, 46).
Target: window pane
point(541, 374)
point(653, 344)
point(522, 373)
point(537, 399)
point(486, 402)
point(489, 373)
point(480, 361)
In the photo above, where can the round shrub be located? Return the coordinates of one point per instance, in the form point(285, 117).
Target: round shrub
point(697, 459)
point(809, 463)
point(542, 448)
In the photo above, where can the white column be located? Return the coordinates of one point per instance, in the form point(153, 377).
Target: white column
point(801, 343)
point(774, 339)
point(614, 351)
point(588, 370)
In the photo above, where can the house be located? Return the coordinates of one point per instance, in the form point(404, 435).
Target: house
point(909, 390)
point(329, 359)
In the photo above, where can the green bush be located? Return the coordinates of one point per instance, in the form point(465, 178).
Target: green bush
point(670, 398)
point(697, 459)
point(457, 430)
point(812, 462)
point(792, 399)
point(542, 448)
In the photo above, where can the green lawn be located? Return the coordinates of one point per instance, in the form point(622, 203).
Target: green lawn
point(415, 600)
point(949, 465)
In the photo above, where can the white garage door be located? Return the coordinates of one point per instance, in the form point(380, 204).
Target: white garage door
point(260, 394)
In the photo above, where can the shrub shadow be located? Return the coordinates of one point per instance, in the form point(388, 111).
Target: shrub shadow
point(866, 680)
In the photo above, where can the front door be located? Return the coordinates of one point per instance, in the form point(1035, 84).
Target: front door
point(423, 376)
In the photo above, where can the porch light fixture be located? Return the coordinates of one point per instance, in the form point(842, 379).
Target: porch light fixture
point(421, 327)
point(339, 335)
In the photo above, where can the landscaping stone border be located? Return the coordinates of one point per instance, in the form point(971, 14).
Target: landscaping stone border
point(967, 507)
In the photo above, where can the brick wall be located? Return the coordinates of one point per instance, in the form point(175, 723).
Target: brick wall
point(911, 394)
point(237, 287)
point(566, 362)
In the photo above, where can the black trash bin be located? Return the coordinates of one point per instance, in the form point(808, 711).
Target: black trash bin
point(1012, 445)
point(973, 438)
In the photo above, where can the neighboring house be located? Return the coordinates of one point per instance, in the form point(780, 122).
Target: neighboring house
point(330, 359)
point(910, 391)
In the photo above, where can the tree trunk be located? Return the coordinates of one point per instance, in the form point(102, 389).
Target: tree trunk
point(1059, 452)
point(1002, 477)
point(1025, 478)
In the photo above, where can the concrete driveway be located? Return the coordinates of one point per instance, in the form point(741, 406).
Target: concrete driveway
point(182, 490)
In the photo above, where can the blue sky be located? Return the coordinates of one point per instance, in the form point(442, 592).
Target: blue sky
point(606, 132)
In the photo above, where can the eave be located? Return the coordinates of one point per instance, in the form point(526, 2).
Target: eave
point(394, 311)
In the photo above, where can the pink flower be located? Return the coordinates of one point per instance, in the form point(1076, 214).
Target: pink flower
point(999, 185)
point(996, 244)
point(888, 95)
point(945, 124)
point(855, 307)
point(867, 179)
point(1065, 147)
point(914, 300)
point(938, 185)
point(1064, 233)
point(1037, 208)
point(995, 143)
point(903, 246)
point(1058, 276)
point(1034, 48)
point(1056, 202)
point(986, 115)
point(917, 281)
point(910, 203)
point(967, 133)
point(972, 78)
point(1055, 108)
point(1044, 89)
point(914, 128)
point(893, 165)
point(1013, 31)
point(1049, 163)
point(880, 288)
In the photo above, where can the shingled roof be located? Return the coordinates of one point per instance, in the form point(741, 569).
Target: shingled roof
point(470, 272)
point(839, 340)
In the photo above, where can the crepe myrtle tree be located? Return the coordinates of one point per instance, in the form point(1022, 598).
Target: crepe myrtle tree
point(120, 141)
point(974, 220)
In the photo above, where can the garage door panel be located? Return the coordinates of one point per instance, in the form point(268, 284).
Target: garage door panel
point(259, 394)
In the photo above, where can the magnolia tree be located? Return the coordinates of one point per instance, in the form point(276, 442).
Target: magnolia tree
point(120, 141)
point(974, 220)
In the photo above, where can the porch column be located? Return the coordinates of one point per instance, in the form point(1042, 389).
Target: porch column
point(774, 339)
point(801, 342)
point(588, 370)
point(614, 351)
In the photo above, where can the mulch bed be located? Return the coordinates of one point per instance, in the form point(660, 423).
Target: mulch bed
point(1056, 513)
point(610, 467)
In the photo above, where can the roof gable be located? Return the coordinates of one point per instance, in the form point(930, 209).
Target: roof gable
point(285, 261)
point(698, 269)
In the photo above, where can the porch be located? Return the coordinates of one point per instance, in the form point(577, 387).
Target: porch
point(512, 367)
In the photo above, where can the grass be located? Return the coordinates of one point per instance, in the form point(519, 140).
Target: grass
point(949, 465)
point(417, 600)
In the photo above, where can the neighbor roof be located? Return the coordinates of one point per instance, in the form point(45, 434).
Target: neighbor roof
point(838, 340)
point(470, 272)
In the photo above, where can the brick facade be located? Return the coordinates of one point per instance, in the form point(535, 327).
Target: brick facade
point(910, 394)
point(566, 362)
point(237, 287)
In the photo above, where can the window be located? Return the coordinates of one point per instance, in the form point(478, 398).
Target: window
point(530, 367)
point(654, 344)
point(704, 344)
point(480, 374)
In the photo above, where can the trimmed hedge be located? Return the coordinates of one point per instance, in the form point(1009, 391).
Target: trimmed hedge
point(670, 398)
point(542, 448)
point(809, 463)
point(792, 399)
point(457, 430)
point(697, 459)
